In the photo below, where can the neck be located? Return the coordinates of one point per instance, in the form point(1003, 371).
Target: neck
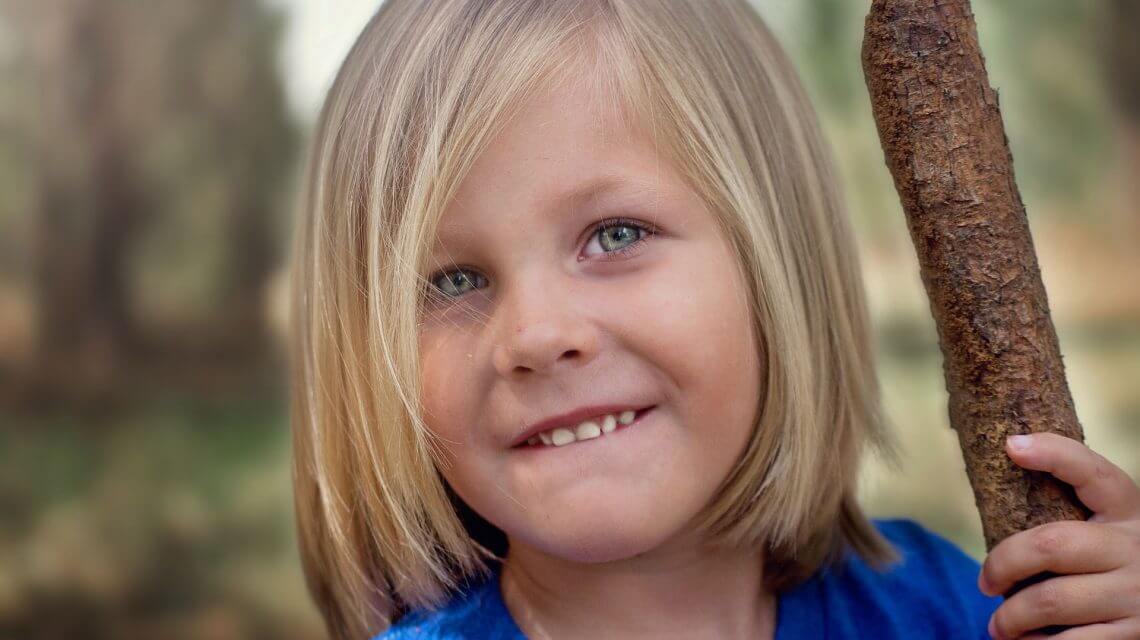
point(679, 592)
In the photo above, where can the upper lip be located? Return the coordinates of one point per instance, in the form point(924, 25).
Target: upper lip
point(573, 419)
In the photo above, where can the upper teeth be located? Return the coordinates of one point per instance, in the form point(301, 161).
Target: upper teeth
point(591, 428)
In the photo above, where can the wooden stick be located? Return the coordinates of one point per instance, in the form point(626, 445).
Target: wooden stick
point(944, 142)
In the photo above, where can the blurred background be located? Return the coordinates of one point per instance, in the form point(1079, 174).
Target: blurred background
point(149, 156)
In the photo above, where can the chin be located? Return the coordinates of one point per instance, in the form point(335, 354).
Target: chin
point(592, 549)
point(593, 537)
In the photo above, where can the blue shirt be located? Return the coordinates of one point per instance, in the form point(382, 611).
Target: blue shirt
point(931, 593)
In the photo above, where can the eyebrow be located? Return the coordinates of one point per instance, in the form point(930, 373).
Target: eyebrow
point(589, 190)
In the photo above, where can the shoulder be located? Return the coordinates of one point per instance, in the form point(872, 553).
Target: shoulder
point(929, 592)
point(475, 611)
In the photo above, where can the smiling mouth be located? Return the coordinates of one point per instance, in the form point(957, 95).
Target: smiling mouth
point(597, 427)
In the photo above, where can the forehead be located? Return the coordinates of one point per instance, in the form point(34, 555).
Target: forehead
point(587, 193)
point(598, 188)
point(568, 148)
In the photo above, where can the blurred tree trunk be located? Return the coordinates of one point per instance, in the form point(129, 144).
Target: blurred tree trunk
point(87, 205)
point(242, 329)
point(1124, 74)
point(162, 145)
point(1123, 62)
point(257, 142)
point(1124, 57)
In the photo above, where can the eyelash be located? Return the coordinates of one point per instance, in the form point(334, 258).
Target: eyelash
point(630, 249)
point(627, 251)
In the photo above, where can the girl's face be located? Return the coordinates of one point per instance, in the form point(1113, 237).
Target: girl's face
point(538, 312)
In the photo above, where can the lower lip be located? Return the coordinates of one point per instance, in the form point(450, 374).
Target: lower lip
point(637, 418)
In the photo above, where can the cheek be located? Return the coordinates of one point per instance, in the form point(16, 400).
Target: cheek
point(703, 329)
point(445, 387)
point(444, 373)
point(692, 315)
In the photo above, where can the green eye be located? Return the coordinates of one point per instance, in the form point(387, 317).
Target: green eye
point(452, 284)
point(618, 238)
point(615, 237)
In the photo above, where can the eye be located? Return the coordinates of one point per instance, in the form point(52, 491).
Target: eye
point(453, 284)
point(617, 237)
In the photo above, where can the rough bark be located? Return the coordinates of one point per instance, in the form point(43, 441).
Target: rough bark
point(943, 138)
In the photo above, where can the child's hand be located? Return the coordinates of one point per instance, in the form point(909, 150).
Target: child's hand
point(1102, 553)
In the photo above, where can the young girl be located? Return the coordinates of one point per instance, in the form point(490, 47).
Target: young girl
point(581, 351)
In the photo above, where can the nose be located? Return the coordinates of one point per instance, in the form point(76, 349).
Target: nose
point(542, 329)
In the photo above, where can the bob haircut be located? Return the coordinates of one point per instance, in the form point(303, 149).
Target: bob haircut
point(423, 90)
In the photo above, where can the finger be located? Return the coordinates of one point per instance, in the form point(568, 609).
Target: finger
point(1064, 600)
point(1123, 629)
point(1101, 485)
point(1065, 547)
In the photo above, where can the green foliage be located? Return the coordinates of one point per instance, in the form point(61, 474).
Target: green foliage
point(162, 515)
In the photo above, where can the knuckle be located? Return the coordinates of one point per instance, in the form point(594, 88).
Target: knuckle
point(1103, 469)
point(1049, 599)
point(1048, 541)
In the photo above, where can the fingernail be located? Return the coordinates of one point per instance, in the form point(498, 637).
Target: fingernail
point(1019, 443)
point(983, 586)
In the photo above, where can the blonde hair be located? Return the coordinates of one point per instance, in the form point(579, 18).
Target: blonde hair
point(423, 90)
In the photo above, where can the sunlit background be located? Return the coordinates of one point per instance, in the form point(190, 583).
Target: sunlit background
point(149, 154)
